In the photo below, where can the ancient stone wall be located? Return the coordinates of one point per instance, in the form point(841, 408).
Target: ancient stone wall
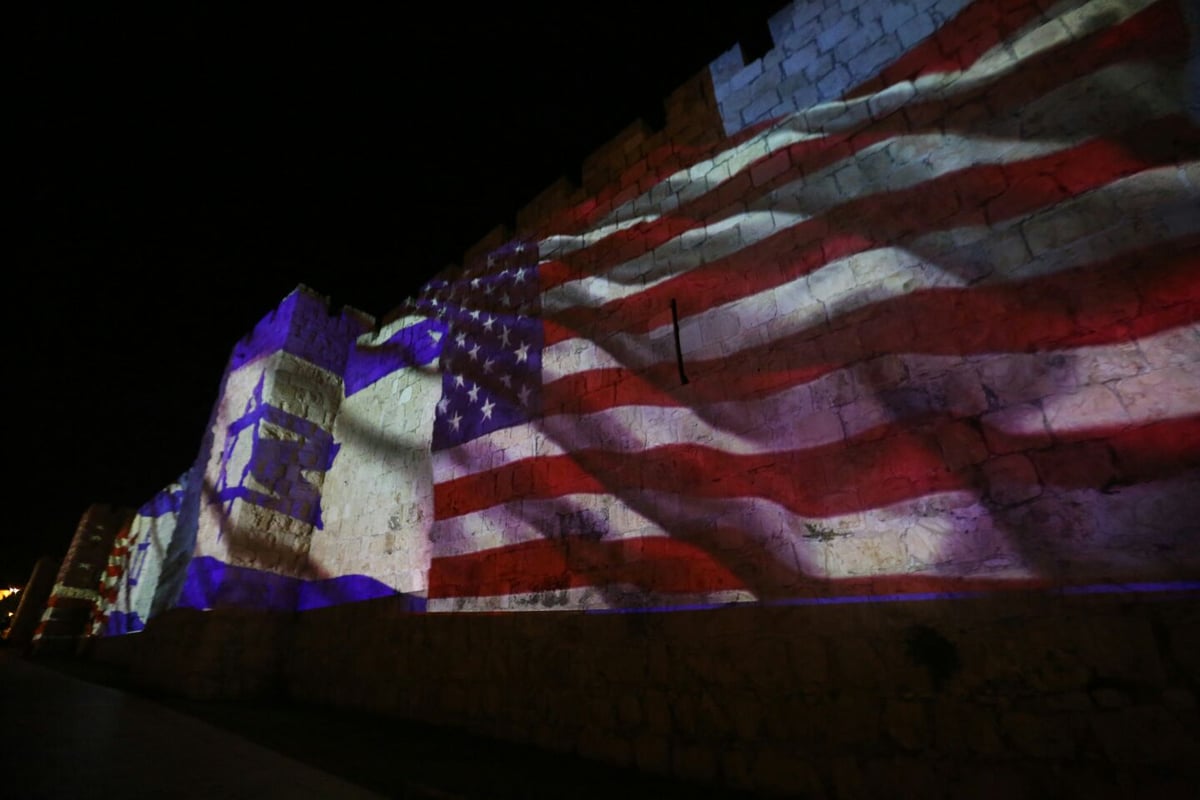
point(1045, 694)
point(135, 565)
point(845, 431)
point(75, 595)
point(1025, 694)
point(843, 348)
point(379, 490)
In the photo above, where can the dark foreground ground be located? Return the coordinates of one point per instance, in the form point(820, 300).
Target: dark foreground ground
point(70, 728)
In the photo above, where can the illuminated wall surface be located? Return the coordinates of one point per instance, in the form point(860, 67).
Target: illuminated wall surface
point(75, 598)
point(135, 566)
point(917, 313)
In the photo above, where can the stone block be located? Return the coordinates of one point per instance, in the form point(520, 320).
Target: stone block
point(808, 662)
point(1016, 428)
point(782, 770)
point(961, 728)
point(1123, 649)
point(1011, 479)
point(1040, 735)
point(1177, 347)
point(895, 14)
point(1172, 391)
point(907, 724)
point(1083, 465)
point(961, 445)
point(1144, 735)
point(856, 663)
point(652, 753)
point(1179, 698)
point(850, 720)
point(841, 27)
point(693, 762)
point(601, 745)
point(1100, 403)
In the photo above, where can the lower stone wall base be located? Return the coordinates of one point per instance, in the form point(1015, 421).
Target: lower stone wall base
point(1021, 695)
point(205, 655)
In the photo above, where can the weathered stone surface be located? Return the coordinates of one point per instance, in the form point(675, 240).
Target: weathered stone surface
point(942, 347)
point(1039, 736)
point(784, 770)
point(1144, 735)
point(966, 729)
point(907, 723)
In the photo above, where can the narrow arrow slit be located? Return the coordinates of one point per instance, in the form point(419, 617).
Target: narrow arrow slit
point(678, 350)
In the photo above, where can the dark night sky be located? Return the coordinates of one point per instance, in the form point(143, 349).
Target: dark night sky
point(179, 170)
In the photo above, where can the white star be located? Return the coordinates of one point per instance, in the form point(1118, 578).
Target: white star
point(522, 353)
point(475, 313)
point(458, 380)
point(457, 418)
point(520, 276)
point(504, 342)
point(435, 335)
point(442, 312)
point(475, 283)
point(487, 366)
point(488, 289)
point(524, 395)
point(474, 352)
point(521, 248)
point(461, 339)
point(506, 380)
point(443, 406)
point(504, 299)
point(488, 405)
point(433, 301)
point(473, 393)
point(488, 323)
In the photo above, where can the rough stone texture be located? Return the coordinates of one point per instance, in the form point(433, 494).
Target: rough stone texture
point(271, 447)
point(905, 308)
point(75, 594)
point(834, 701)
point(823, 49)
point(378, 495)
point(135, 565)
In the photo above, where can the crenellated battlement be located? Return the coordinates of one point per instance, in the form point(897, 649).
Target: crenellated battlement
point(820, 52)
point(305, 324)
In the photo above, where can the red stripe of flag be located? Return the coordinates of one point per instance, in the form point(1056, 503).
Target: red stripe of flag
point(989, 194)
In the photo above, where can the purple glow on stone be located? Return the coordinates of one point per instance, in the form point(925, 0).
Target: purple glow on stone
point(414, 346)
point(212, 584)
point(277, 464)
point(302, 327)
point(915, 597)
point(161, 504)
point(120, 623)
point(1133, 588)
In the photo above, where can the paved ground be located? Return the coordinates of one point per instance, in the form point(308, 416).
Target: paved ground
point(64, 734)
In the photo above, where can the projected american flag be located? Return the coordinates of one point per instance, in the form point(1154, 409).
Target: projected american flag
point(941, 334)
